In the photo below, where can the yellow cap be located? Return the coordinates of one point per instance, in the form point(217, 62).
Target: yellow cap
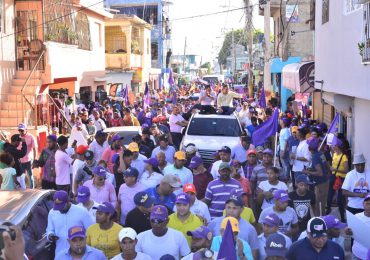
point(233, 221)
point(180, 155)
point(133, 147)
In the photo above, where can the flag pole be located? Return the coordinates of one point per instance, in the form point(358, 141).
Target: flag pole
point(275, 150)
point(323, 141)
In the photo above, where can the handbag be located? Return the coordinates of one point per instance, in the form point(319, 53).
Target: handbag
point(338, 180)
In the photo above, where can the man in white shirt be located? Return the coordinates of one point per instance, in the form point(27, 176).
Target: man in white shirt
point(84, 201)
point(162, 240)
point(63, 164)
point(283, 137)
point(225, 100)
point(302, 156)
point(79, 134)
point(356, 185)
point(225, 155)
point(99, 145)
point(177, 122)
point(99, 123)
point(207, 100)
point(137, 158)
point(165, 148)
point(239, 151)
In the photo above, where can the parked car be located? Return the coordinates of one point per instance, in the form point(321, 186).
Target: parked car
point(127, 132)
point(210, 132)
point(29, 210)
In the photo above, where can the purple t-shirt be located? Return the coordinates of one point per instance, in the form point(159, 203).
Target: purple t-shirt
point(218, 192)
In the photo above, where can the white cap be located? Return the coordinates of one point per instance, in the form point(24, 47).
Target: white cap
point(127, 232)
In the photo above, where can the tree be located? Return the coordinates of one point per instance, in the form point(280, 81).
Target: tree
point(207, 66)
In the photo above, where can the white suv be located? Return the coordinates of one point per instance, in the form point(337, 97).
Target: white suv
point(210, 132)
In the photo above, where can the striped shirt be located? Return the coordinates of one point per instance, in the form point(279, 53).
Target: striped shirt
point(218, 192)
point(259, 174)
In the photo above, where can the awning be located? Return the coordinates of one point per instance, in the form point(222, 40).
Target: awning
point(277, 64)
point(299, 77)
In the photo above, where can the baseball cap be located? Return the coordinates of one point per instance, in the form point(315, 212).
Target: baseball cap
point(106, 207)
point(131, 172)
point(195, 162)
point(180, 155)
point(76, 231)
point(89, 155)
point(225, 149)
point(189, 188)
point(127, 233)
point(367, 197)
point(52, 137)
point(251, 151)
point(22, 126)
point(276, 245)
point(224, 165)
point(268, 151)
point(259, 149)
point(83, 194)
point(152, 161)
point(172, 180)
point(191, 149)
point(332, 221)
point(236, 199)
point(301, 177)
point(271, 220)
point(201, 232)
point(316, 227)
point(142, 198)
point(100, 133)
point(100, 171)
point(117, 137)
point(81, 149)
point(60, 199)
point(133, 147)
point(159, 212)
point(234, 223)
point(183, 198)
point(281, 195)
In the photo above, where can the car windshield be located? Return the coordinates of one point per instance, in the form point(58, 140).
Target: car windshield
point(214, 127)
point(128, 137)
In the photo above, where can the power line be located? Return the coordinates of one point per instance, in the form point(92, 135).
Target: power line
point(53, 20)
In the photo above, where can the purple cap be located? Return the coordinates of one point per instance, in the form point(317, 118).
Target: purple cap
point(271, 220)
point(159, 212)
point(76, 231)
point(152, 161)
point(201, 232)
point(333, 222)
point(225, 149)
point(281, 195)
point(183, 198)
point(236, 199)
point(367, 197)
point(52, 137)
point(313, 143)
point(286, 121)
point(301, 177)
point(83, 194)
point(100, 171)
point(131, 172)
point(22, 127)
point(142, 198)
point(116, 138)
point(195, 162)
point(268, 151)
point(276, 245)
point(60, 199)
point(106, 207)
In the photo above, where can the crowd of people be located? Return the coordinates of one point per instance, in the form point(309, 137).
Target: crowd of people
point(153, 199)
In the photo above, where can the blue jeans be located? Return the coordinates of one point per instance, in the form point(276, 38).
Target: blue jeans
point(27, 167)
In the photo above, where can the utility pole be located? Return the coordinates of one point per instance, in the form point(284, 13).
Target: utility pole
point(249, 34)
point(234, 52)
point(266, 71)
point(183, 61)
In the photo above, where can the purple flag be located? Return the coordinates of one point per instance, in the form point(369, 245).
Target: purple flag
point(126, 96)
point(333, 129)
point(146, 102)
point(174, 97)
point(227, 247)
point(262, 101)
point(266, 129)
point(170, 79)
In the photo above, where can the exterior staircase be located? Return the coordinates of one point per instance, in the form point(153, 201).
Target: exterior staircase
point(17, 107)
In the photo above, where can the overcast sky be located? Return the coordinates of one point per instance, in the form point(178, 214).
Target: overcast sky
point(205, 34)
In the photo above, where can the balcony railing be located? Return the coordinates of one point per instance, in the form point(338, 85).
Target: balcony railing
point(122, 61)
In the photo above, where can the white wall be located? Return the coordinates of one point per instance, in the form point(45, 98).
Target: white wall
point(7, 47)
point(337, 58)
point(361, 116)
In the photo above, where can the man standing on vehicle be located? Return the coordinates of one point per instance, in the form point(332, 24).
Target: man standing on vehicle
point(177, 122)
point(26, 161)
point(207, 99)
point(225, 100)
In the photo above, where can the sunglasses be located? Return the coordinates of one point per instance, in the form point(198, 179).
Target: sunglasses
point(156, 221)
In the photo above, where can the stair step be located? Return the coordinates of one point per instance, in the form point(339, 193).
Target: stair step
point(19, 98)
point(11, 113)
point(23, 74)
point(31, 82)
point(18, 90)
point(10, 122)
point(15, 105)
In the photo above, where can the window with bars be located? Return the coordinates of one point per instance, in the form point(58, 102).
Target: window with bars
point(351, 6)
point(83, 31)
point(365, 45)
point(115, 40)
point(325, 11)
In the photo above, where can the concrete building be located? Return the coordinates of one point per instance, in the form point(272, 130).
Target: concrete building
point(238, 59)
point(127, 52)
point(342, 75)
point(156, 13)
point(192, 63)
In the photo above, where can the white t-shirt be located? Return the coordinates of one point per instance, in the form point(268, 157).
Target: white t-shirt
point(152, 180)
point(139, 164)
point(175, 128)
point(139, 256)
point(283, 136)
point(77, 164)
point(359, 183)
point(80, 136)
point(266, 186)
point(92, 210)
point(173, 243)
point(99, 124)
point(62, 168)
point(302, 151)
point(205, 100)
point(98, 149)
point(358, 249)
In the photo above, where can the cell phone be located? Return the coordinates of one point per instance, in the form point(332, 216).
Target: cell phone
point(74, 143)
point(6, 228)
